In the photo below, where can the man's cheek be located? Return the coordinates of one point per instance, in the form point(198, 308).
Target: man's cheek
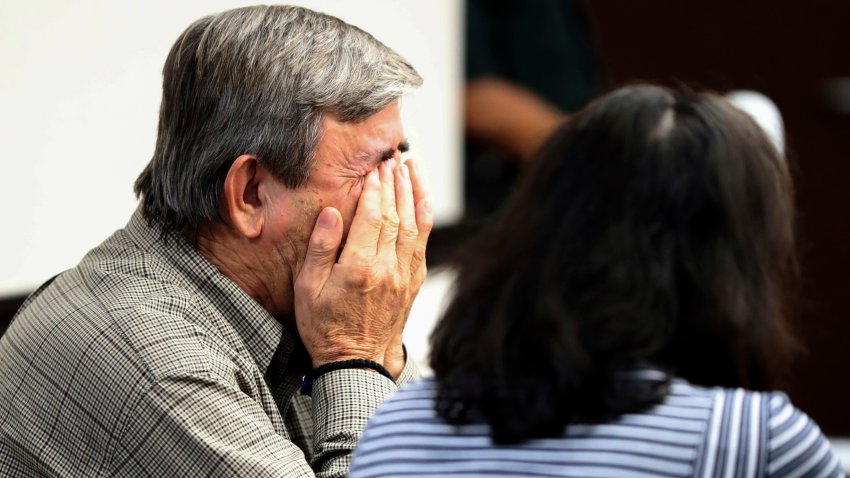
point(347, 219)
point(348, 208)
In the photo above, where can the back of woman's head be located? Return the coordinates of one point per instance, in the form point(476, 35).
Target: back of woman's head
point(655, 228)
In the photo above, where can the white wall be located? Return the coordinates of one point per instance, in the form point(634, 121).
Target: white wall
point(79, 95)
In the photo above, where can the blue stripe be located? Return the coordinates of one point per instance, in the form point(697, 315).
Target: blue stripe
point(625, 447)
point(506, 467)
point(744, 437)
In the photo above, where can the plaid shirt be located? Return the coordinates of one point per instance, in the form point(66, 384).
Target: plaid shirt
point(146, 360)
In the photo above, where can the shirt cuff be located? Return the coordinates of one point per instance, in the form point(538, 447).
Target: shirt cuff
point(343, 401)
point(410, 372)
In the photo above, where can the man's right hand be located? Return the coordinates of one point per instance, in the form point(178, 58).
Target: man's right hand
point(356, 307)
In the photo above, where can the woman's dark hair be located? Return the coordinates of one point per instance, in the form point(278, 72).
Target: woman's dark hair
point(655, 228)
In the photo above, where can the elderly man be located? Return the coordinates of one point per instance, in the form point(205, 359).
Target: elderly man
point(279, 236)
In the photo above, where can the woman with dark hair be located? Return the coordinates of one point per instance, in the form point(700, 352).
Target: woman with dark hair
point(625, 316)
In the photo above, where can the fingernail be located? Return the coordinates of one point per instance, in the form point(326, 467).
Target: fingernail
point(327, 219)
point(426, 205)
point(404, 172)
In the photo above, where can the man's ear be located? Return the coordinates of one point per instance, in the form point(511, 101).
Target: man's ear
point(242, 202)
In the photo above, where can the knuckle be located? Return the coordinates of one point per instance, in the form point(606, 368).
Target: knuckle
point(390, 232)
point(358, 256)
point(362, 260)
point(391, 282)
point(419, 257)
point(409, 230)
point(419, 274)
point(425, 224)
point(391, 218)
point(388, 268)
point(361, 277)
point(409, 234)
point(373, 219)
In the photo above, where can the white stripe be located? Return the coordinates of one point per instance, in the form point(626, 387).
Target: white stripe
point(778, 419)
point(689, 401)
point(520, 469)
point(666, 423)
point(635, 432)
point(734, 432)
point(407, 403)
point(755, 436)
point(383, 418)
point(375, 445)
point(713, 435)
point(682, 412)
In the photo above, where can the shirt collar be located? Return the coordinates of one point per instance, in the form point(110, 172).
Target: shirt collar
point(259, 331)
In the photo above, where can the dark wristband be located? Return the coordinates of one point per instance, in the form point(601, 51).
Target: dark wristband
point(312, 375)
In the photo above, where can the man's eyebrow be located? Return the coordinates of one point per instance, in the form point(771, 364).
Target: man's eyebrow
point(403, 147)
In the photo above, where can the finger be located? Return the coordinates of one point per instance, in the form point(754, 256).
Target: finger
point(389, 217)
point(407, 232)
point(420, 275)
point(417, 179)
point(417, 279)
point(424, 214)
point(321, 251)
point(366, 224)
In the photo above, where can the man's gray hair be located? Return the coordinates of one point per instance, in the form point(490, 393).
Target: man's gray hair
point(257, 80)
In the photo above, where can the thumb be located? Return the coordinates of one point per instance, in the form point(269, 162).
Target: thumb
point(323, 247)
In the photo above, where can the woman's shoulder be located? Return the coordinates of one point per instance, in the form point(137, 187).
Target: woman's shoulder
point(731, 399)
point(796, 445)
point(761, 430)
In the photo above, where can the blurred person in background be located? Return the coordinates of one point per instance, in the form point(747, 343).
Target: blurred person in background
point(278, 246)
point(626, 315)
point(519, 88)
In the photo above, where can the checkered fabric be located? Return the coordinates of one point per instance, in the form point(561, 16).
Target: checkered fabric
point(144, 360)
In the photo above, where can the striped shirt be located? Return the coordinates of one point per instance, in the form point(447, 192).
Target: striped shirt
point(695, 431)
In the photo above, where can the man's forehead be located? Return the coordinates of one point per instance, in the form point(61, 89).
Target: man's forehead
point(377, 137)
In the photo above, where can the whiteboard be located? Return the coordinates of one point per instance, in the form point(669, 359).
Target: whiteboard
point(80, 91)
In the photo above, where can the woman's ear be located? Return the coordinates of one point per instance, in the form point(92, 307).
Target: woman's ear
point(242, 204)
